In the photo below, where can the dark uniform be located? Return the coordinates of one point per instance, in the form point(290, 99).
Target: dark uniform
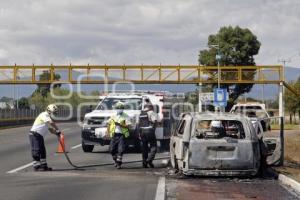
point(147, 125)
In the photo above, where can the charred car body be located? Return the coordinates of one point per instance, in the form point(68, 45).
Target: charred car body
point(214, 144)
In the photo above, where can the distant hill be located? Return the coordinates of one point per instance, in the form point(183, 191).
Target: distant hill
point(6, 99)
point(271, 91)
point(292, 73)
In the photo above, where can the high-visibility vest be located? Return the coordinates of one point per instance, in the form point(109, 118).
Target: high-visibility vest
point(112, 125)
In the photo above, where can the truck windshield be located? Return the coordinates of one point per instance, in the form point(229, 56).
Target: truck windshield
point(253, 113)
point(130, 103)
point(241, 108)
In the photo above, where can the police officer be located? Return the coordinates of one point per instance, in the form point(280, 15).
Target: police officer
point(147, 126)
point(118, 129)
point(40, 128)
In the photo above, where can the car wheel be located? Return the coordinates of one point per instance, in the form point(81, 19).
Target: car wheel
point(87, 148)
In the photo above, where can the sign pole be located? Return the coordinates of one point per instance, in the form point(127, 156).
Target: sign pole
point(199, 97)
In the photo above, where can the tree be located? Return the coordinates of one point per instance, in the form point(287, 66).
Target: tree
point(23, 103)
point(44, 88)
point(237, 47)
point(292, 102)
point(38, 100)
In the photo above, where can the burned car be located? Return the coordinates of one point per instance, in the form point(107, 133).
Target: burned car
point(214, 144)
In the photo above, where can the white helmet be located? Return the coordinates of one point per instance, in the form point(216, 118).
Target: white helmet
point(52, 109)
point(120, 105)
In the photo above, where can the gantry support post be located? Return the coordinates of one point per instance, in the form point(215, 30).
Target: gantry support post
point(282, 121)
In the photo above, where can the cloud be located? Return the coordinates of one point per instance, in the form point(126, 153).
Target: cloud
point(139, 31)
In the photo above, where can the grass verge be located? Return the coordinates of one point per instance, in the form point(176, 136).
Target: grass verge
point(291, 166)
point(286, 126)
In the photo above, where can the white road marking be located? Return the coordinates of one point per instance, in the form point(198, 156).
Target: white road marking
point(160, 190)
point(76, 146)
point(30, 164)
point(20, 168)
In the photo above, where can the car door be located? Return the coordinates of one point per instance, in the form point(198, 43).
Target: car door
point(176, 143)
point(272, 146)
point(223, 153)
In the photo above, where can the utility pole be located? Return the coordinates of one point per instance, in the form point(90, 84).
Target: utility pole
point(218, 58)
point(284, 62)
point(281, 105)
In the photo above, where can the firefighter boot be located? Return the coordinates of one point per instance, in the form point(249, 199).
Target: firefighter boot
point(119, 162)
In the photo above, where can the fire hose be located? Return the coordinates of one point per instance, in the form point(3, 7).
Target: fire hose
point(98, 165)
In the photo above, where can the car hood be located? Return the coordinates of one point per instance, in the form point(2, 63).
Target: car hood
point(109, 113)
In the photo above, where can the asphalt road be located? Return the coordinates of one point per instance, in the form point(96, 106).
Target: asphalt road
point(18, 181)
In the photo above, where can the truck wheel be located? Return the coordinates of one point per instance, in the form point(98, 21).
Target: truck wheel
point(87, 148)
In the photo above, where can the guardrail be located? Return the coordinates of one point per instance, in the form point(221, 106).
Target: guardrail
point(12, 117)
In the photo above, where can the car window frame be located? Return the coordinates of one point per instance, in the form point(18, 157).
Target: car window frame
point(179, 124)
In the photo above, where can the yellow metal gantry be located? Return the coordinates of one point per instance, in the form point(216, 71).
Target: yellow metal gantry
point(141, 74)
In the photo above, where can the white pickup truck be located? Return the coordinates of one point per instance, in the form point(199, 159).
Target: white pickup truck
point(255, 111)
point(95, 122)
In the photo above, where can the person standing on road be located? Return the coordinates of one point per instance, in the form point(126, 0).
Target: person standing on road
point(118, 130)
point(40, 128)
point(147, 126)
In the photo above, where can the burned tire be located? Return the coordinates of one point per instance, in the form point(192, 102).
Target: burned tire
point(87, 148)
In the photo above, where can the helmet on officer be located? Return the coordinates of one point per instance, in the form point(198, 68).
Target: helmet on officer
point(120, 106)
point(52, 109)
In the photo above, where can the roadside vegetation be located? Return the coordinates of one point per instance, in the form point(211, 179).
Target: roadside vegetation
point(291, 155)
point(231, 46)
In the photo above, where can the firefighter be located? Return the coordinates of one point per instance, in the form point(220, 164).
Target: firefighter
point(118, 130)
point(39, 130)
point(147, 126)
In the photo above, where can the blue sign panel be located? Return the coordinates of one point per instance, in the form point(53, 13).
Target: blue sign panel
point(220, 97)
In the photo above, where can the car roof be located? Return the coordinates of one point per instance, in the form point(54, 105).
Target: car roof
point(217, 116)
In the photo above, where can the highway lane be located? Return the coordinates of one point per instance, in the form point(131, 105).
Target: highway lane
point(131, 182)
point(15, 148)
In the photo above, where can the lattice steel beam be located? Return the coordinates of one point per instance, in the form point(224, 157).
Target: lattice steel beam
point(142, 74)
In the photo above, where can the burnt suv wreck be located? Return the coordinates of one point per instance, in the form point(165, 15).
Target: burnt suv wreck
point(214, 144)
